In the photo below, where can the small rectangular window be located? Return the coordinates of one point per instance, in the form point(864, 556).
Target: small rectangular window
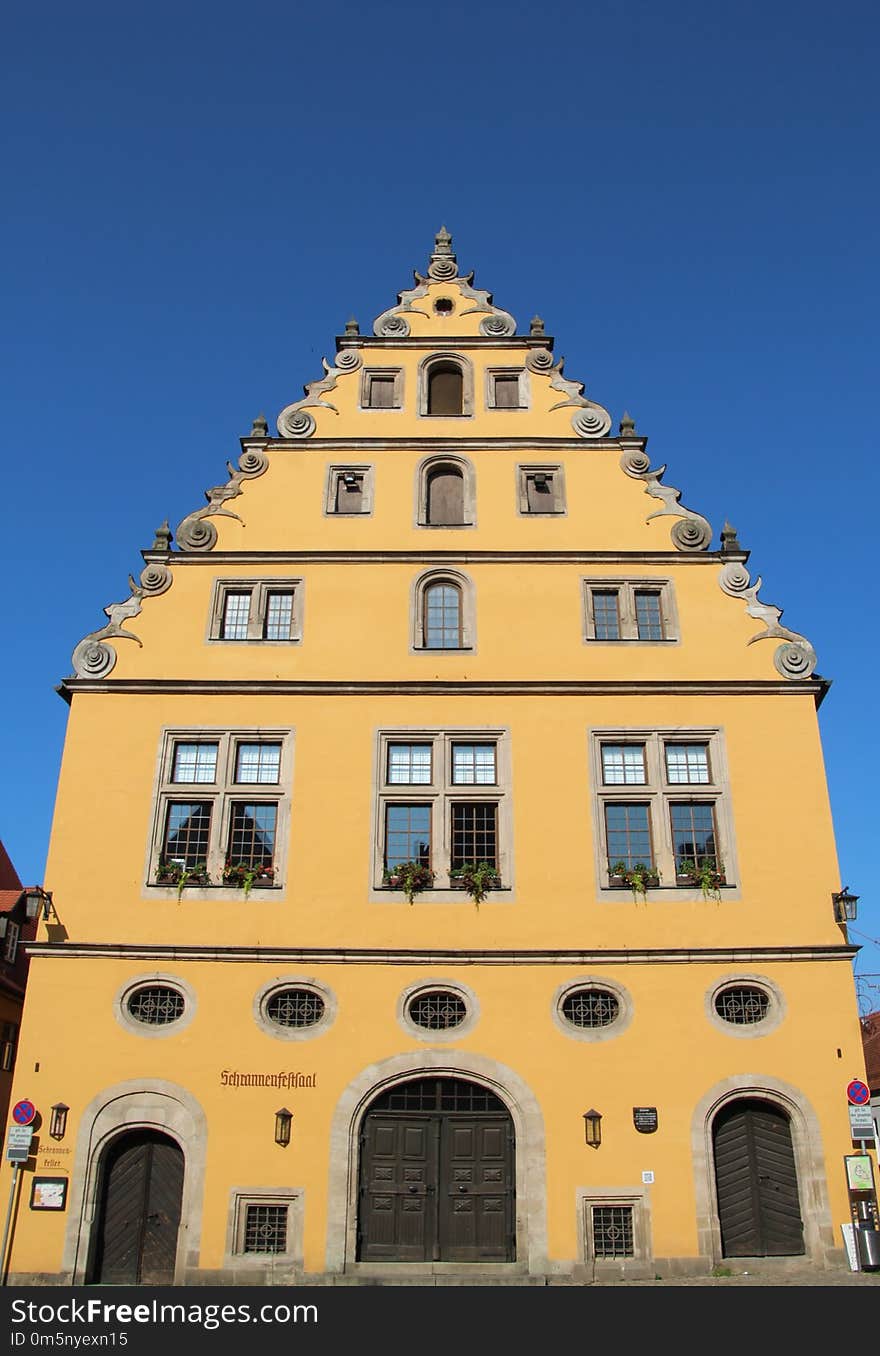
point(628, 835)
point(623, 764)
point(613, 1231)
point(349, 493)
point(649, 618)
point(279, 615)
point(409, 764)
point(10, 951)
point(187, 832)
point(257, 763)
point(693, 836)
point(195, 763)
point(474, 834)
point(507, 389)
point(541, 489)
point(265, 1228)
point(252, 834)
point(382, 388)
point(687, 763)
point(382, 393)
point(407, 835)
point(606, 614)
point(236, 612)
point(507, 393)
point(473, 764)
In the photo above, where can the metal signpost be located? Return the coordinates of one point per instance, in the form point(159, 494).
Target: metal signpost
point(860, 1177)
point(18, 1148)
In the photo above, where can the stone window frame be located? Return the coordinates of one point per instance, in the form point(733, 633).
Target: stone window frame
point(145, 981)
point(522, 374)
point(638, 1199)
point(776, 1011)
point(528, 471)
point(467, 594)
point(626, 589)
point(467, 384)
point(589, 1033)
point(658, 794)
point(334, 475)
point(430, 1035)
point(440, 794)
point(367, 375)
point(223, 792)
point(259, 590)
point(240, 1197)
point(294, 1033)
point(469, 492)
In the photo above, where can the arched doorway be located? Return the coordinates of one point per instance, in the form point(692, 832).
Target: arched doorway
point(138, 1215)
point(756, 1181)
point(437, 1175)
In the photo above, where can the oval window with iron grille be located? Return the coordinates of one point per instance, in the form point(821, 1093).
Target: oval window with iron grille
point(742, 1004)
point(590, 1007)
point(437, 1010)
point(156, 1004)
point(295, 1007)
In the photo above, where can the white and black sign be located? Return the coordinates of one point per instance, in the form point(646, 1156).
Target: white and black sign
point(645, 1119)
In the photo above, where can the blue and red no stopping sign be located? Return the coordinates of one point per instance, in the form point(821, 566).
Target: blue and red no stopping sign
point(858, 1093)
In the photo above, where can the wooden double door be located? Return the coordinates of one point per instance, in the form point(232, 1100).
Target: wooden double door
point(756, 1181)
point(437, 1175)
point(138, 1217)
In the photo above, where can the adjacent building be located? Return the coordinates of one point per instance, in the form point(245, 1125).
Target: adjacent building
point(442, 863)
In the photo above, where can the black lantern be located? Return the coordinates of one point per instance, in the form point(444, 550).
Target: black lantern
point(593, 1128)
point(844, 906)
point(36, 899)
point(58, 1120)
point(283, 1119)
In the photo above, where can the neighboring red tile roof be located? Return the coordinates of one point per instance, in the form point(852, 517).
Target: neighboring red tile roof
point(8, 874)
point(9, 899)
point(871, 1044)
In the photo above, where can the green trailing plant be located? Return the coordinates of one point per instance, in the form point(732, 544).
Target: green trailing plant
point(477, 878)
point(247, 874)
point(639, 877)
point(707, 872)
point(181, 875)
point(411, 877)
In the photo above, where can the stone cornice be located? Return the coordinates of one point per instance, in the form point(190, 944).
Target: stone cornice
point(734, 955)
point(457, 341)
point(426, 443)
point(381, 556)
point(745, 687)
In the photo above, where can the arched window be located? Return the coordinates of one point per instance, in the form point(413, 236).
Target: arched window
point(445, 496)
point(442, 616)
point(445, 389)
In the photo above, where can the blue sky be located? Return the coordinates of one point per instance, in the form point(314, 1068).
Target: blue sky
point(199, 196)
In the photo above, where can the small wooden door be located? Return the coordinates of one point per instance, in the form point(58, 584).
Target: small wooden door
point(446, 496)
point(437, 1176)
point(756, 1180)
point(139, 1211)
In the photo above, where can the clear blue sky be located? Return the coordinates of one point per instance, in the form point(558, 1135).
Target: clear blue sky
point(198, 196)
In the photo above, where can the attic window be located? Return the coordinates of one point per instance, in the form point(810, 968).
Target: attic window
point(444, 306)
point(382, 389)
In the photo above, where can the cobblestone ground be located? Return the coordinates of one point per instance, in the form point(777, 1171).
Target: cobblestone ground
point(764, 1276)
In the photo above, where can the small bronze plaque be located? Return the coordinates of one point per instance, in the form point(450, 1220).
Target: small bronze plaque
point(645, 1119)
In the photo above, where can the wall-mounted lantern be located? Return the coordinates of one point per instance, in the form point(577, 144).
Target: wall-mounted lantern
point(283, 1119)
point(844, 906)
point(593, 1128)
point(36, 899)
point(58, 1120)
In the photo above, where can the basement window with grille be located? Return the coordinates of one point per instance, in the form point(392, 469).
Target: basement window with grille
point(590, 1007)
point(265, 1227)
point(294, 1007)
point(613, 1231)
point(156, 1005)
point(437, 1010)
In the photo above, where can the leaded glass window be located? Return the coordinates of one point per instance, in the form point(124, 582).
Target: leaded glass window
point(687, 763)
point(628, 833)
point(187, 832)
point(623, 764)
point(409, 764)
point(442, 617)
point(236, 611)
point(252, 834)
point(279, 616)
point(195, 763)
point(606, 614)
point(407, 835)
point(473, 764)
point(255, 763)
point(474, 834)
point(649, 618)
point(693, 835)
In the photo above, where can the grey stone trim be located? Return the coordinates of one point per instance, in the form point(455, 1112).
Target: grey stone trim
point(421, 1033)
point(756, 687)
point(638, 1267)
point(143, 1029)
point(596, 1034)
point(293, 1033)
point(419, 341)
point(776, 1012)
point(256, 1268)
point(794, 659)
point(806, 1132)
point(295, 421)
point(148, 1103)
point(195, 533)
point(530, 1157)
point(384, 556)
point(694, 532)
point(735, 955)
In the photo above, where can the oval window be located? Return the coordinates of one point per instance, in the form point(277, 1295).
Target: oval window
point(295, 1007)
point(156, 1004)
point(590, 1007)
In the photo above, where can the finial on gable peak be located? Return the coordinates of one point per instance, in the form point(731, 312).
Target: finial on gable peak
point(260, 427)
point(162, 539)
point(627, 425)
point(729, 539)
point(444, 264)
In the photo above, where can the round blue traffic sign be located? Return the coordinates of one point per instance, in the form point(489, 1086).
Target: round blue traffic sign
point(858, 1093)
point(23, 1112)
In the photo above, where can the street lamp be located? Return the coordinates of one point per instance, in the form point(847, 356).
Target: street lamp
point(844, 905)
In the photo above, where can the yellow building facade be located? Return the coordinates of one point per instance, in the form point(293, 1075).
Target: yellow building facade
point(442, 861)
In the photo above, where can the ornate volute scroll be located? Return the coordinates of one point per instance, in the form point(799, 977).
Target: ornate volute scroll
point(693, 532)
point(93, 657)
point(591, 420)
point(295, 421)
point(796, 658)
point(195, 533)
point(443, 267)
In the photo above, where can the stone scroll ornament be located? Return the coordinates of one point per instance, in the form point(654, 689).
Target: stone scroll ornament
point(93, 657)
point(295, 421)
point(590, 420)
point(693, 532)
point(795, 658)
point(443, 267)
